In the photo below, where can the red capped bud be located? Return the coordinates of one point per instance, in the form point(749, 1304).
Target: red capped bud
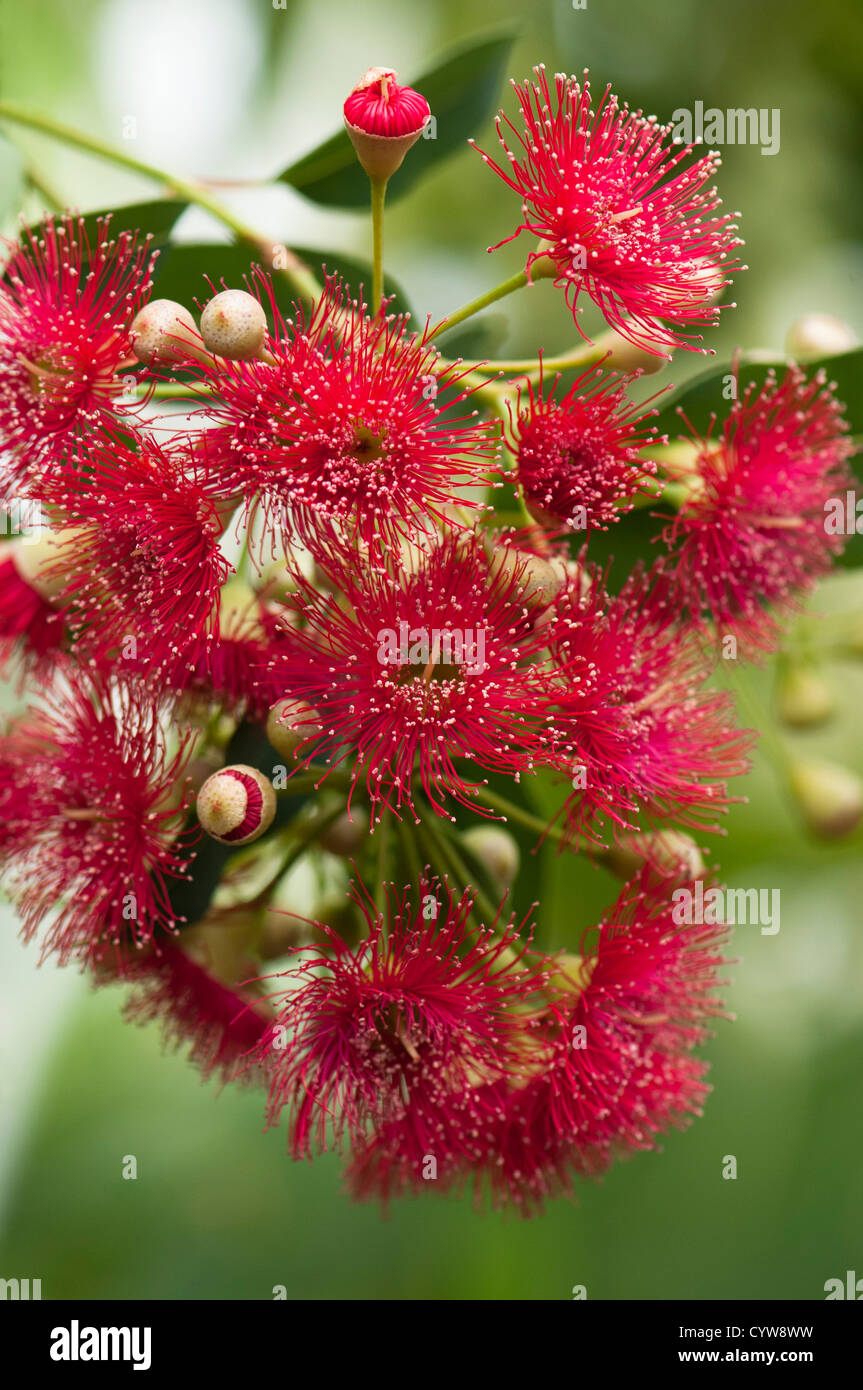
point(163, 333)
point(291, 723)
point(819, 335)
point(496, 850)
point(383, 121)
point(236, 805)
point(829, 797)
point(804, 698)
point(234, 326)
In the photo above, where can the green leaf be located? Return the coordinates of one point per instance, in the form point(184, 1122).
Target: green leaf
point(461, 91)
point(476, 341)
point(702, 395)
point(190, 898)
point(157, 218)
point(182, 273)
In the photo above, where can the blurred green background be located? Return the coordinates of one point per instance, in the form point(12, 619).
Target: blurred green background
point(237, 90)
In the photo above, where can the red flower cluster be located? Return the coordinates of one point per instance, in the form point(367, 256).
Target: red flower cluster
point(305, 583)
point(448, 1055)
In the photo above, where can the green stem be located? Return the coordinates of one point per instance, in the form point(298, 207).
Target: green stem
point(409, 854)
point(467, 875)
point(41, 187)
point(308, 780)
point(513, 812)
point(584, 356)
point(306, 836)
point(483, 910)
point(299, 276)
point(515, 282)
point(173, 390)
point(379, 190)
point(382, 836)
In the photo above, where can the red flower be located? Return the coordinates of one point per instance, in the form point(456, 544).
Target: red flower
point(417, 671)
point(753, 530)
point(636, 728)
point(91, 791)
point(619, 1069)
point(233, 671)
point(602, 1070)
point(621, 223)
point(577, 458)
point(29, 627)
point(144, 565)
point(408, 1021)
point(66, 306)
point(347, 426)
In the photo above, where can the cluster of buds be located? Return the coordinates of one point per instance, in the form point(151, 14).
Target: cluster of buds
point(376, 682)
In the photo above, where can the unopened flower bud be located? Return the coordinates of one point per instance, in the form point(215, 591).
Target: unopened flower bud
point(539, 580)
point(819, 335)
point(496, 850)
point(291, 723)
point(543, 266)
point(383, 121)
point(829, 797)
point(345, 835)
point(671, 852)
point(236, 805)
point(803, 697)
point(234, 326)
point(624, 356)
point(703, 286)
point(164, 333)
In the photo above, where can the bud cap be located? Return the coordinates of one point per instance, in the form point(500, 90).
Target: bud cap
point(236, 805)
point(383, 121)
